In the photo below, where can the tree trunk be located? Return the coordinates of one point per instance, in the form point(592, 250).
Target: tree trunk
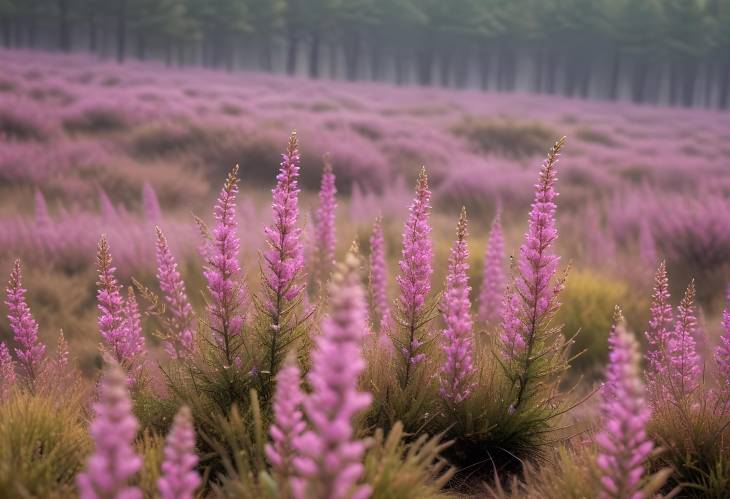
point(689, 82)
point(291, 54)
point(314, 52)
point(638, 87)
point(723, 98)
point(5, 26)
point(266, 59)
point(64, 28)
point(121, 30)
point(375, 62)
point(614, 76)
point(93, 41)
point(351, 47)
point(462, 68)
point(485, 62)
point(709, 80)
point(425, 56)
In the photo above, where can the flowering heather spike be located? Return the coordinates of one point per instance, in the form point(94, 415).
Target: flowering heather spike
point(609, 390)
point(113, 324)
point(325, 220)
point(288, 422)
point(223, 272)
point(623, 442)
point(7, 370)
point(491, 297)
point(647, 246)
point(526, 336)
point(42, 218)
point(108, 210)
point(329, 465)
point(150, 204)
point(285, 256)
point(133, 327)
point(686, 370)
point(62, 352)
point(180, 343)
point(659, 333)
point(415, 277)
point(378, 276)
point(31, 352)
point(722, 353)
point(113, 462)
point(457, 369)
point(179, 478)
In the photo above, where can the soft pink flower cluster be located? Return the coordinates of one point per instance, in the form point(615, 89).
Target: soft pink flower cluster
point(179, 479)
point(491, 296)
point(325, 220)
point(223, 272)
point(114, 428)
point(623, 444)
point(415, 270)
point(329, 464)
point(119, 320)
point(379, 277)
point(534, 294)
point(285, 255)
point(457, 368)
point(31, 352)
point(181, 343)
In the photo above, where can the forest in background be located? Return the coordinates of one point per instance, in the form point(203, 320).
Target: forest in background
point(673, 52)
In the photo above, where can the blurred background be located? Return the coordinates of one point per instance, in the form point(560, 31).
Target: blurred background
point(119, 115)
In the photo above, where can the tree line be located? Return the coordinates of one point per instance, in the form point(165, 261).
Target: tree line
point(657, 51)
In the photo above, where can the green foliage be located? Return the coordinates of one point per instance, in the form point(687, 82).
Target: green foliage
point(694, 434)
point(399, 470)
point(505, 137)
point(44, 444)
point(588, 301)
point(150, 448)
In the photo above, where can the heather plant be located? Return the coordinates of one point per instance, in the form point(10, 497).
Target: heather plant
point(412, 333)
point(44, 443)
point(281, 317)
point(325, 222)
point(491, 294)
point(378, 279)
point(533, 350)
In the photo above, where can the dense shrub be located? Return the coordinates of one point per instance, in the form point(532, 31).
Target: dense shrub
point(505, 137)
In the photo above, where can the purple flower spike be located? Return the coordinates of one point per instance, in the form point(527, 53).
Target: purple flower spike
point(379, 276)
point(113, 462)
point(416, 269)
point(623, 442)
point(659, 333)
point(31, 351)
point(457, 369)
point(180, 345)
point(325, 221)
point(329, 463)
point(7, 371)
point(491, 297)
point(179, 478)
point(686, 363)
point(722, 353)
point(288, 422)
point(223, 273)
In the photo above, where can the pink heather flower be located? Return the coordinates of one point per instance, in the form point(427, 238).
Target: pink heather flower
point(722, 353)
point(223, 272)
point(647, 246)
point(491, 296)
point(108, 210)
point(686, 363)
point(113, 462)
point(457, 369)
point(180, 343)
point(533, 298)
point(123, 341)
point(415, 267)
point(378, 276)
point(623, 442)
point(7, 370)
point(133, 328)
point(62, 353)
point(31, 351)
point(150, 204)
point(179, 479)
point(325, 220)
point(288, 422)
point(42, 218)
point(659, 333)
point(329, 463)
point(285, 256)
